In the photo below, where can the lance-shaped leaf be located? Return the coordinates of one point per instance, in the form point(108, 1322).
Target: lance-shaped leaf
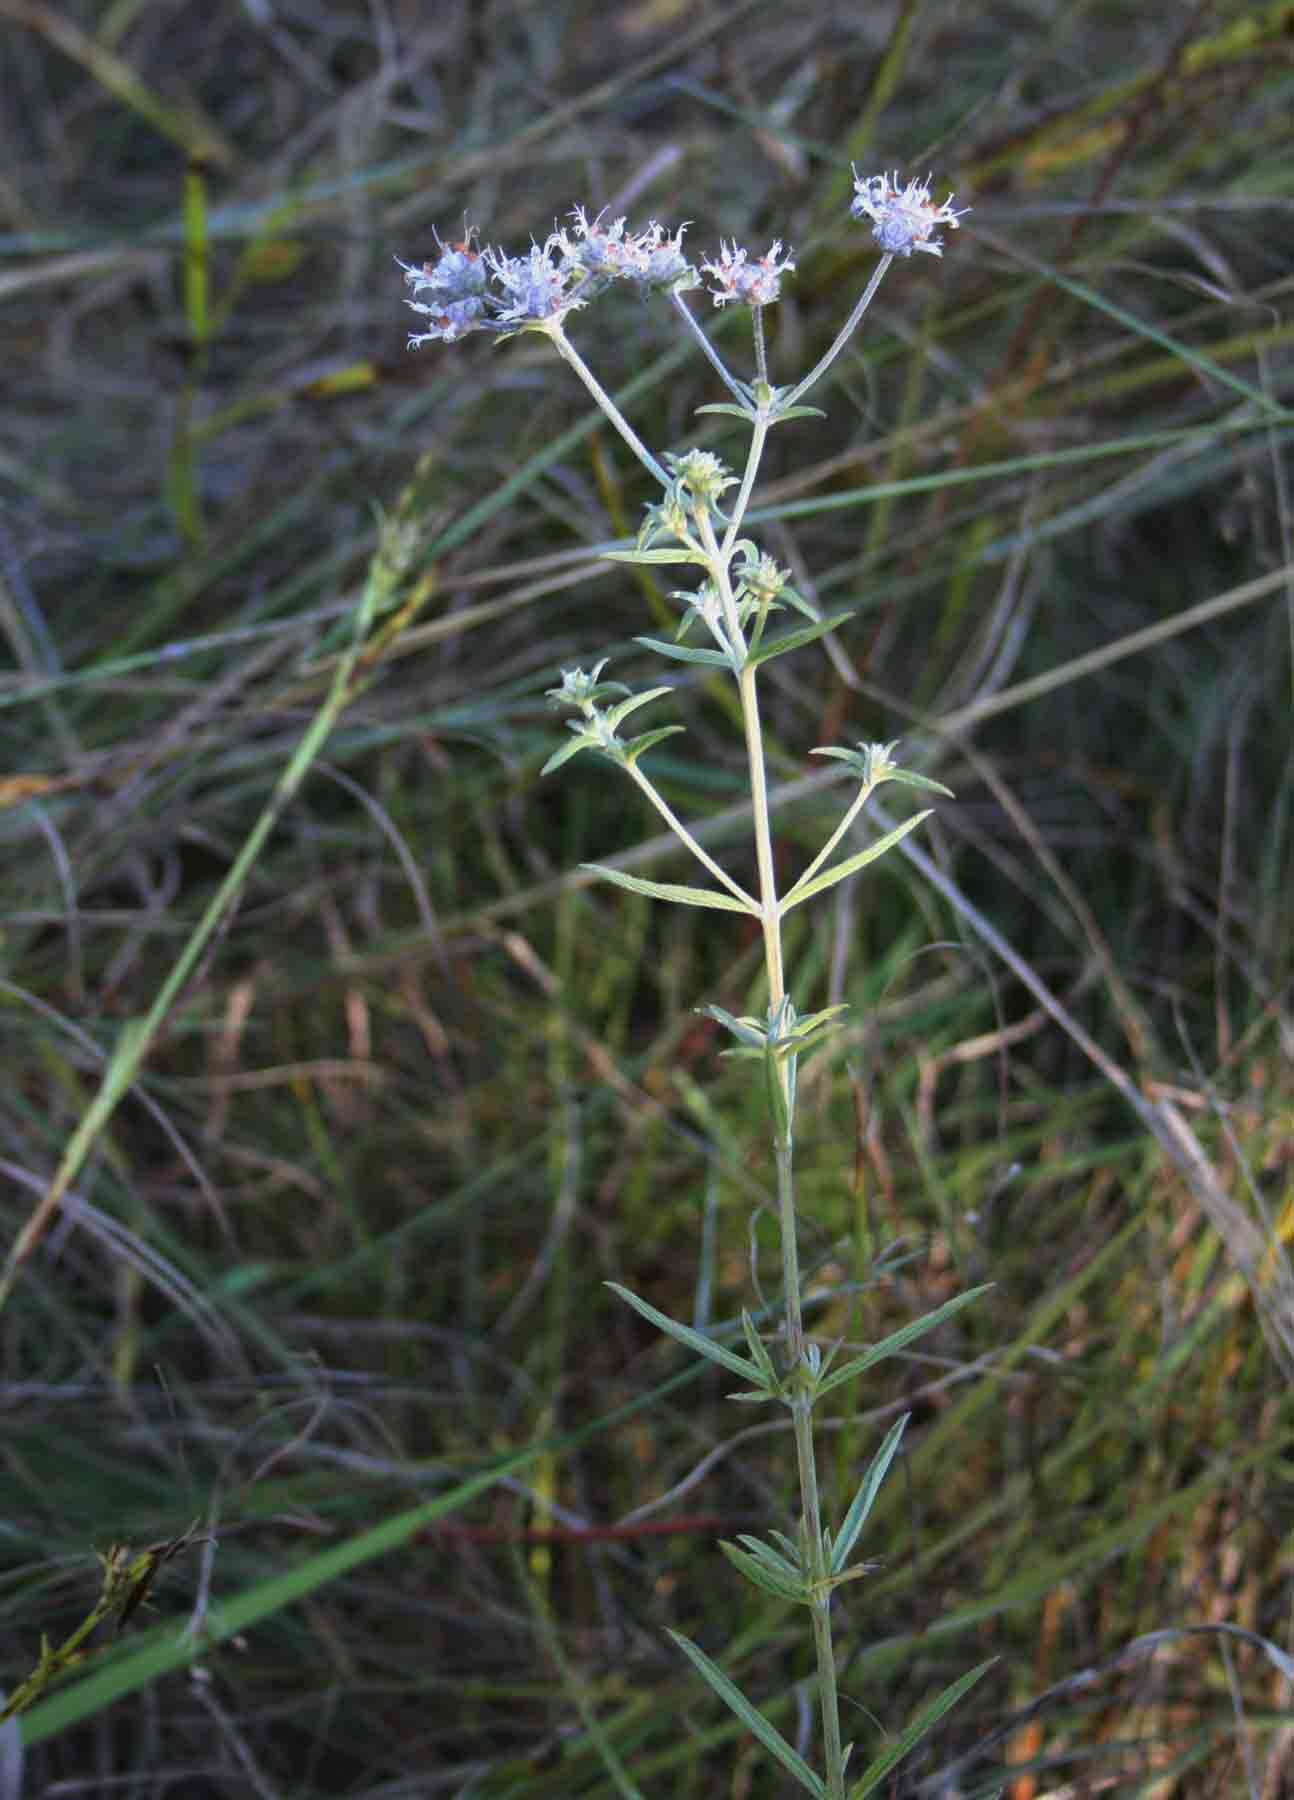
point(766, 1568)
point(670, 890)
point(793, 597)
point(754, 1721)
point(652, 556)
point(683, 653)
point(898, 1340)
point(617, 714)
point(587, 740)
point(793, 640)
point(852, 864)
point(695, 1340)
point(758, 1353)
point(865, 1498)
point(748, 1031)
point(636, 746)
point(876, 1771)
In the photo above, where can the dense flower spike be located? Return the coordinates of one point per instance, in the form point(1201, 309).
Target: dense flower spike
point(736, 278)
point(902, 218)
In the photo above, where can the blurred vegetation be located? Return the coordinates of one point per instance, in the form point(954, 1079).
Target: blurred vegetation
point(334, 1091)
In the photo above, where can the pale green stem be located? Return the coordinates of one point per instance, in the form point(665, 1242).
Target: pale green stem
point(860, 800)
point(711, 354)
point(768, 911)
point(758, 435)
point(761, 351)
point(684, 836)
point(842, 337)
point(807, 1464)
point(569, 354)
point(802, 1404)
point(768, 905)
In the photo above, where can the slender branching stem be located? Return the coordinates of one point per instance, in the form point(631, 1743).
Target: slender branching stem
point(758, 437)
point(905, 218)
point(860, 800)
point(761, 348)
point(768, 906)
point(569, 354)
point(842, 337)
point(684, 836)
point(712, 356)
point(769, 911)
point(784, 1148)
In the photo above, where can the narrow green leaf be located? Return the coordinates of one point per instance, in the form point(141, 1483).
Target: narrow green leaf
point(852, 864)
point(569, 749)
point(758, 1350)
point(768, 1735)
point(809, 1023)
point(880, 1766)
point(694, 1340)
point(794, 640)
point(864, 1499)
point(746, 1031)
point(799, 412)
point(807, 1041)
point(898, 1340)
point(747, 413)
point(790, 1550)
point(682, 653)
point(805, 608)
point(780, 1562)
point(638, 746)
point(650, 556)
point(618, 713)
point(669, 890)
point(910, 778)
point(760, 1575)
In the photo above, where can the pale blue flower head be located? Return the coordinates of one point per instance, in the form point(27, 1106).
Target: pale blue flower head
point(535, 287)
point(451, 293)
point(903, 219)
point(737, 278)
point(653, 258)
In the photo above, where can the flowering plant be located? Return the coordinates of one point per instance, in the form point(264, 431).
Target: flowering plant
point(697, 525)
